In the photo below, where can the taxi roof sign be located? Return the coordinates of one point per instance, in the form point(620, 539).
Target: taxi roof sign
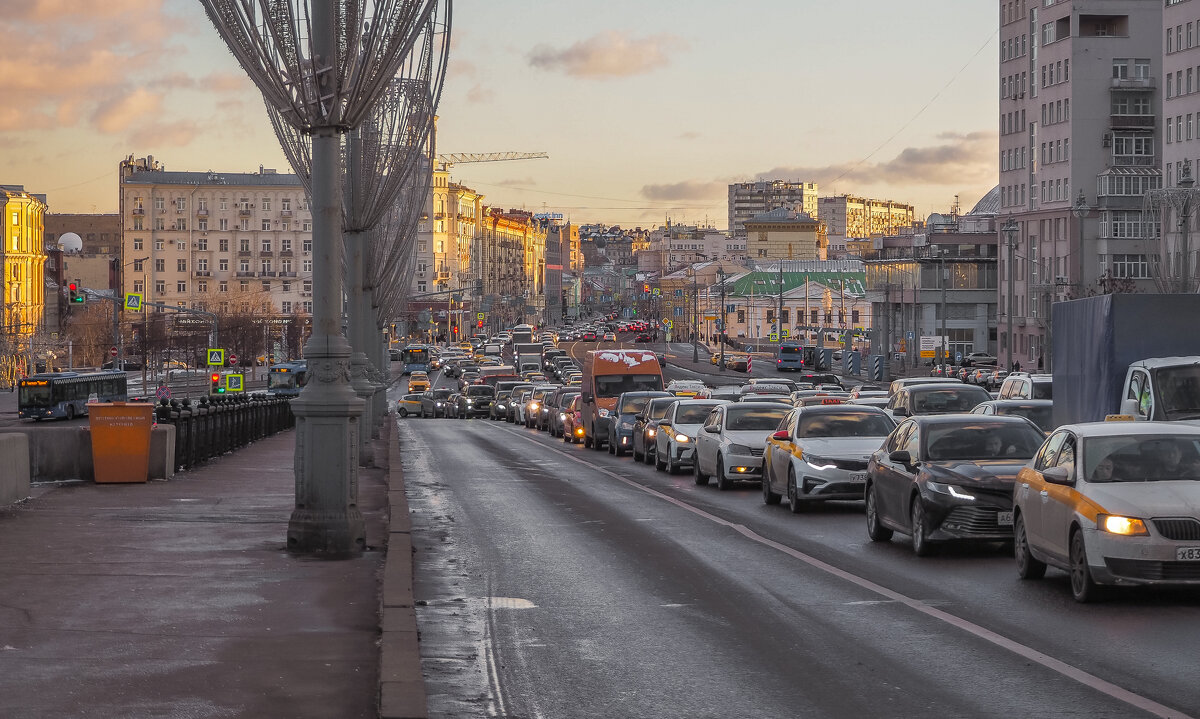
point(1119, 418)
point(216, 358)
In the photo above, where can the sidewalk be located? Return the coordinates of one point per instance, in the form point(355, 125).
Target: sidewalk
point(174, 599)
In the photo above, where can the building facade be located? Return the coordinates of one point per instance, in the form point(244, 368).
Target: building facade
point(747, 199)
point(847, 218)
point(228, 243)
point(1080, 146)
point(784, 234)
point(23, 260)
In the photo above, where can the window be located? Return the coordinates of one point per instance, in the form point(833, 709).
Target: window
point(202, 285)
point(222, 286)
point(223, 224)
point(138, 286)
point(181, 286)
point(306, 286)
point(180, 204)
point(160, 265)
point(266, 225)
point(202, 243)
point(285, 245)
point(307, 265)
point(307, 306)
point(137, 243)
point(741, 317)
point(1121, 224)
point(244, 245)
point(244, 224)
point(266, 204)
point(286, 204)
point(307, 244)
point(181, 265)
point(265, 265)
point(202, 224)
point(1130, 266)
point(243, 265)
point(266, 285)
point(306, 226)
point(244, 286)
point(285, 265)
point(266, 245)
point(202, 204)
point(160, 286)
point(159, 204)
point(223, 265)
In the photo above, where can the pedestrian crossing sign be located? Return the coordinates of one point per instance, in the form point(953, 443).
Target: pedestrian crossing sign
point(216, 358)
point(133, 301)
point(773, 337)
point(233, 382)
point(786, 333)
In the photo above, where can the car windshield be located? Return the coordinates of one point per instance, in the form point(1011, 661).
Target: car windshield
point(633, 405)
point(441, 393)
point(566, 397)
point(1142, 458)
point(844, 424)
point(615, 385)
point(754, 418)
point(1179, 390)
point(950, 399)
point(693, 413)
point(982, 440)
point(1041, 416)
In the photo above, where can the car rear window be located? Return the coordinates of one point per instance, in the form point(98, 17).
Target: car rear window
point(693, 414)
point(951, 399)
point(1043, 390)
point(756, 418)
point(480, 390)
point(658, 408)
point(844, 424)
point(979, 440)
point(633, 405)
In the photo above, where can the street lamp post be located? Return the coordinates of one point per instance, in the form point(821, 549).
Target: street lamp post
point(721, 335)
point(1010, 230)
point(695, 321)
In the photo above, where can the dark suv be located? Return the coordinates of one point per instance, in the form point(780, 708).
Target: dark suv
point(436, 403)
point(624, 416)
point(476, 401)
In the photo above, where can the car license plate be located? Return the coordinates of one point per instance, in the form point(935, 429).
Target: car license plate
point(1004, 519)
point(858, 476)
point(1188, 554)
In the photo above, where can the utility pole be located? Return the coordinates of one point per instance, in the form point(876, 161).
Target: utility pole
point(779, 315)
point(695, 320)
point(944, 344)
point(722, 335)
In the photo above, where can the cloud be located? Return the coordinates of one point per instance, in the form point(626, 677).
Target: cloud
point(480, 94)
point(515, 182)
point(119, 113)
point(689, 135)
point(958, 159)
point(169, 134)
point(608, 54)
point(692, 190)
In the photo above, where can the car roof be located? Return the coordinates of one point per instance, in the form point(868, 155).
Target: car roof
point(942, 387)
point(967, 418)
point(1116, 429)
point(693, 402)
point(1018, 403)
point(647, 393)
point(842, 408)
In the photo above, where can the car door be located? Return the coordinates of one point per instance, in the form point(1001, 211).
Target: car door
point(1030, 492)
point(782, 451)
point(662, 441)
point(706, 441)
point(1058, 501)
point(893, 479)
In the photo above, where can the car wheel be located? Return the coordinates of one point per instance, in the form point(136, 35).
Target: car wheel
point(1083, 587)
point(1028, 567)
point(920, 542)
point(597, 444)
point(723, 482)
point(638, 457)
point(612, 446)
point(769, 496)
point(658, 463)
point(617, 449)
point(701, 477)
point(587, 439)
point(403, 412)
point(70, 412)
point(875, 529)
point(795, 503)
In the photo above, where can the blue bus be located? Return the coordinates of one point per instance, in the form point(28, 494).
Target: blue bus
point(416, 358)
point(52, 395)
point(287, 378)
point(790, 357)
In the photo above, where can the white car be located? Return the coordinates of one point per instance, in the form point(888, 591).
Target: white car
point(822, 453)
point(676, 438)
point(1111, 503)
point(730, 445)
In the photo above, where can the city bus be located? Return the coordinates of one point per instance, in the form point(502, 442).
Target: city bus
point(287, 378)
point(66, 394)
point(416, 358)
point(522, 333)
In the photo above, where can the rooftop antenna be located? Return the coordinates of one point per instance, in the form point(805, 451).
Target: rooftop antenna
point(323, 65)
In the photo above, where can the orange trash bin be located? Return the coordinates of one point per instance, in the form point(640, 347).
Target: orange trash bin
point(121, 441)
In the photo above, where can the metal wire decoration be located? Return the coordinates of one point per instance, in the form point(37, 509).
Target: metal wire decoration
point(273, 41)
point(1169, 217)
point(393, 240)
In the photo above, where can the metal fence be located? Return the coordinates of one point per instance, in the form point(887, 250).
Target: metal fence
point(214, 426)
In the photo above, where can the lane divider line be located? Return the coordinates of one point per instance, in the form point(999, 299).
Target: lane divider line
point(1026, 652)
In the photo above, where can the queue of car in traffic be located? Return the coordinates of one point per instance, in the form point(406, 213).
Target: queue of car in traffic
point(939, 459)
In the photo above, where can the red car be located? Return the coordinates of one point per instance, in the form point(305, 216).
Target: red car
point(572, 424)
point(643, 338)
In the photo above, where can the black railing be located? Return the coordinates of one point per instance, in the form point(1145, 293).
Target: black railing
point(216, 425)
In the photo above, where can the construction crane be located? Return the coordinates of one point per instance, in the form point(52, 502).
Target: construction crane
point(458, 158)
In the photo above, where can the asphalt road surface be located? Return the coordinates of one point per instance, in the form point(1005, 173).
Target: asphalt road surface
point(561, 582)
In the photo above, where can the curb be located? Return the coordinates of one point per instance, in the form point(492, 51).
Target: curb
point(401, 682)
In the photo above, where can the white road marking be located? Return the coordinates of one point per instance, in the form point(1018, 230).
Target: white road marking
point(1056, 665)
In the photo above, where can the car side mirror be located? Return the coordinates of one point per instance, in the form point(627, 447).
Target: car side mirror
point(899, 412)
point(712, 429)
point(1130, 407)
point(901, 456)
point(664, 423)
point(588, 397)
point(1058, 475)
point(782, 435)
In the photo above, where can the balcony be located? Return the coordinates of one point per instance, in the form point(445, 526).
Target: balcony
point(266, 273)
point(1121, 122)
point(285, 253)
point(285, 213)
point(266, 253)
point(244, 253)
point(202, 212)
point(287, 274)
point(202, 273)
point(244, 212)
point(245, 273)
point(1134, 161)
point(139, 210)
point(1132, 83)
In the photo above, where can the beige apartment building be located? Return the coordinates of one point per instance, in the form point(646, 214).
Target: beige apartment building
point(216, 241)
point(847, 217)
point(1080, 146)
point(22, 286)
point(784, 234)
point(748, 199)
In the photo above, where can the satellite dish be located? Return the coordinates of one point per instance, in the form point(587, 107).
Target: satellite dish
point(70, 242)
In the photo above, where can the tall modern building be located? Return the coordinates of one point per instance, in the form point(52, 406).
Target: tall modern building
point(1080, 146)
point(748, 199)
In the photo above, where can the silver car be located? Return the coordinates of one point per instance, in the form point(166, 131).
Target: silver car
point(822, 452)
point(730, 445)
point(676, 440)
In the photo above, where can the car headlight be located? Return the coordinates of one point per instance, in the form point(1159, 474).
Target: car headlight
point(499, 406)
point(682, 438)
point(1116, 524)
point(561, 416)
point(650, 432)
point(819, 462)
point(739, 449)
point(603, 412)
point(533, 405)
point(469, 402)
point(439, 404)
point(950, 489)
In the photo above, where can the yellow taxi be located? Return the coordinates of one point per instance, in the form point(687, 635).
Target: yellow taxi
point(408, 404)
point(467, 347)
point(418, 382)
point(1111, 503)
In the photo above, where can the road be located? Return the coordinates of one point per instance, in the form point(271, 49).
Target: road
point(562, 582)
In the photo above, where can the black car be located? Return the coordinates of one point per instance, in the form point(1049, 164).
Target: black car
point(624, 418)
point(939, 398)
point(645, 428)
point(1038, 411)
point(947, 478)
point(475, 401)
point(435, 403)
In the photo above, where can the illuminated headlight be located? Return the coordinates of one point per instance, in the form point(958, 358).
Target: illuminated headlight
point(682, 438)
point(651, 432)
point(439, 404)
point(739, 449)
point(499, 406)
point(579, 431)
point(533, 406)
point(561, 416)
point(819, 462)
point(1127, 526)
point(603, 412)
point(950, 489)
point(470, 402)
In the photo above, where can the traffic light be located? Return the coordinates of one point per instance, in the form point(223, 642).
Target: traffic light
point(76, 296)
point(479, 323)
point(216, 384)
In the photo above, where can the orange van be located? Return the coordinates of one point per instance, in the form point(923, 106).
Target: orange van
point(607, 374)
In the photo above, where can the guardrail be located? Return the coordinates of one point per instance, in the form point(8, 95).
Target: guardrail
point(214, 426)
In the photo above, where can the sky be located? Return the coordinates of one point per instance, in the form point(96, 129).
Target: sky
point(648, 108)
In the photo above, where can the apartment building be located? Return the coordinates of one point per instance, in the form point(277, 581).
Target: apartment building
point(22, 259)
point(222, 242)
point(446, 236)
point(847, 218)
point(784, 234)
point(747, 199)
point(1080, 145)
point(1181, 147)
